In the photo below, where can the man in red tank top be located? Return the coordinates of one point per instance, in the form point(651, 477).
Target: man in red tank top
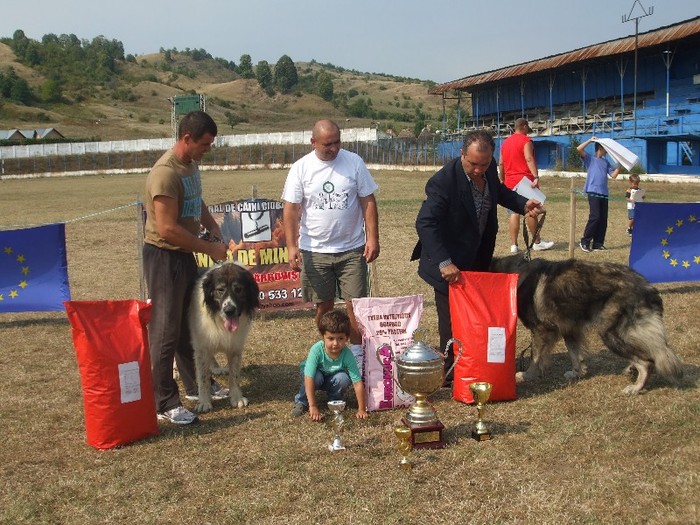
point(517, 160)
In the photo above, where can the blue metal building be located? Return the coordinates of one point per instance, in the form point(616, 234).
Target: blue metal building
point(594, 91)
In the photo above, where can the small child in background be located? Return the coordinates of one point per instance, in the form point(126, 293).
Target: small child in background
point(330, 366)
point(633, 195)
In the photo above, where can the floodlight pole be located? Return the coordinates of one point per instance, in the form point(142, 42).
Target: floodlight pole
point(667, 61)
point(444, 115)
point(498, 113)
point(458, 98)
point(551, 101)
point(636, 49)
point(621, 69)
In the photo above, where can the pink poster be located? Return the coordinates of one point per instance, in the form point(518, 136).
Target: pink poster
point(387, 325)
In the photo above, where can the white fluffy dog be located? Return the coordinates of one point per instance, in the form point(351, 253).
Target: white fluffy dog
point(220, 316)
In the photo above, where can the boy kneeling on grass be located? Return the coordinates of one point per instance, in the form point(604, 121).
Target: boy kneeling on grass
point(330, 366)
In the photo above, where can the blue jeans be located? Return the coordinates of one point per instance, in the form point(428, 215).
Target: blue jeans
point(334, 385)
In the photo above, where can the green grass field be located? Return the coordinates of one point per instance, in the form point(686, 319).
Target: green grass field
point(560, 454)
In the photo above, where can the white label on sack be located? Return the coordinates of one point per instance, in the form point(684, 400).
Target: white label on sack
point(130, 381)
point(497, 344)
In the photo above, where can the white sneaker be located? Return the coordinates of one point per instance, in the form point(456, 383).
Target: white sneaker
point(514, 248)
point(178, 416)
point(542, 245)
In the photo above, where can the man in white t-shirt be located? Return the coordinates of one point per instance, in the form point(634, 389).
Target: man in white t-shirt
point(331, 223)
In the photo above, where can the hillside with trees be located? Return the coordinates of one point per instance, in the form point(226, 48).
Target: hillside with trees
point(89, 89)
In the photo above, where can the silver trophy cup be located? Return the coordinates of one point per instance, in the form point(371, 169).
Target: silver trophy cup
point(337, 407)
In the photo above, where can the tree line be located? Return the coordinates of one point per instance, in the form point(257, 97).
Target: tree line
point(72, 68)
point(66, 62)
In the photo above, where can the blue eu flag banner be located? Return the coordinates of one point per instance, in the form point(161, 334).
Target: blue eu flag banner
point(33, 269)
point(666, 242)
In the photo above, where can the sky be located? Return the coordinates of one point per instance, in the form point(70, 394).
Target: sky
point(439, 40)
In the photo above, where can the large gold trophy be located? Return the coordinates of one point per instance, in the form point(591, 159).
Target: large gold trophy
point(420, 372)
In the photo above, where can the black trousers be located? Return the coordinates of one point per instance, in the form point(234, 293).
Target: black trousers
point(442, 304)
point(170, 276)
point(597, 225)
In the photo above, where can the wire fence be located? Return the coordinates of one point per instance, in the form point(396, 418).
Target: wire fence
point(429, 151)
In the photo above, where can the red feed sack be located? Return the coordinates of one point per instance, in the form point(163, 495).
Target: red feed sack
point(484, 314)
point(111, 345)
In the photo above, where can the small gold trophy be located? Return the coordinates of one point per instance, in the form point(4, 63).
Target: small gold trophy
point(338, 422)
point(404, 434)
point(480, 392)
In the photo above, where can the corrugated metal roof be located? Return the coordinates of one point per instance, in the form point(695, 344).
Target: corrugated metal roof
point(652, 38)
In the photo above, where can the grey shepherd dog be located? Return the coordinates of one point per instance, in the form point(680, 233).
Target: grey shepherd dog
point(564, 298)
point(221, 312)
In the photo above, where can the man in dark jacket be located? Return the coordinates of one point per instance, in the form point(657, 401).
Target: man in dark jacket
point(457, 223)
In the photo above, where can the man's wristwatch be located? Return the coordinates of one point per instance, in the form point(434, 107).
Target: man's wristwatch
point(445, 263)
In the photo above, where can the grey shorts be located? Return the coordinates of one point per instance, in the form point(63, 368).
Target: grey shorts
point(326, 275)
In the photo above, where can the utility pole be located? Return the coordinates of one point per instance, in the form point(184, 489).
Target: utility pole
point(636, 18)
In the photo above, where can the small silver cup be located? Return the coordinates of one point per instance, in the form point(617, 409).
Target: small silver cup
point(337, 407)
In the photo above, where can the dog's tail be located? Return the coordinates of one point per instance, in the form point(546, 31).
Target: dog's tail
point(668, 364)
point(651, 336)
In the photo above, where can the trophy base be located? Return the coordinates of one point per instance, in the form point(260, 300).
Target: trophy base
point(405, 464)
point(426, 436)
point(481, 437)
point(336, 445)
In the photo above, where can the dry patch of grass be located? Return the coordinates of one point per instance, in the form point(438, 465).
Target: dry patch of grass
point(561, 453)
point(8, 59)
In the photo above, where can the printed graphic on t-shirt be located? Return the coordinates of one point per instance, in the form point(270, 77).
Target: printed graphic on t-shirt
point(330, 199)
point(192, 207)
